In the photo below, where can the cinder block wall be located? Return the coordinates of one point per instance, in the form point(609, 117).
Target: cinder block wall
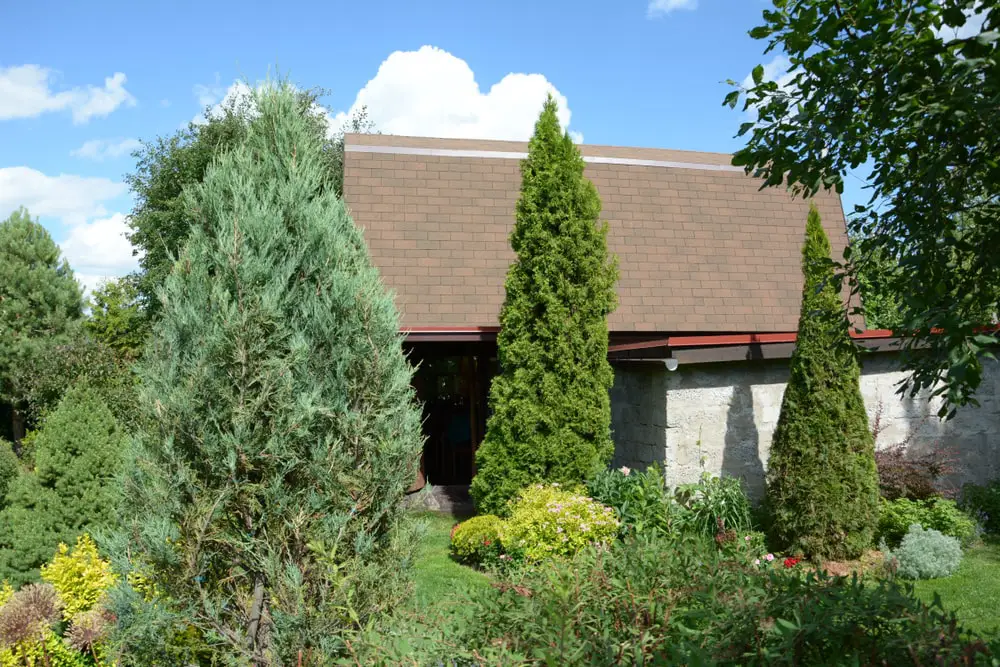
point(720, 418)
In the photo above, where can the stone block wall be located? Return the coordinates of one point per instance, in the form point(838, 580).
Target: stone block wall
point(720, 418)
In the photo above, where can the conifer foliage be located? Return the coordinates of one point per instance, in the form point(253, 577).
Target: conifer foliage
point(39, 301)
point(551, 416)
point(67, 490)
point(263, 505)
point(822, 483)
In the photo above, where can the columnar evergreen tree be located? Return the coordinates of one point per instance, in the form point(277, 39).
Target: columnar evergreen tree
point(265, 502)
point(39, 299)
point(822, 484)
point(68, 489)
point(551, 416)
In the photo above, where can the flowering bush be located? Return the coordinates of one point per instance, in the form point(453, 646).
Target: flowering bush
point(640, 500)
point(478, 539)
point(548, 521)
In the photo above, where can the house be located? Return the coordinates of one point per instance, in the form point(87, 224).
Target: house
point(709, 295)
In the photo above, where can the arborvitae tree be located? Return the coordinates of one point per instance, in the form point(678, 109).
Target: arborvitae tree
point(264, 503)
point(822, 483)
point(67, 491)
point(551, 416)
point(39, 299)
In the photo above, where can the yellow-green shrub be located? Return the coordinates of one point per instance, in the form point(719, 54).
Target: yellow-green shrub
point(81, 576)
point(54, 653)
point(548, 521)
point(474, 540)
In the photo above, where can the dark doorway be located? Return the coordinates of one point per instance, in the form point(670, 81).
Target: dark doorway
point(453, 391)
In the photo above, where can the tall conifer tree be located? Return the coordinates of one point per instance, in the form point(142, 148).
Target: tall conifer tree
point(551, 416)
point(39, 301)
point(822, 484)
point(265, 503)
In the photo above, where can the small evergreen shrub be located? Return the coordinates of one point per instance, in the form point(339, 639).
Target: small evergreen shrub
point(477, 540)
point(983, 503)
point(926, 554)
point(641, 500)
point(80, 576)
point(822, 483)
point(547, 521)
point(69, 490)
point(896, 517)
point(706, 503)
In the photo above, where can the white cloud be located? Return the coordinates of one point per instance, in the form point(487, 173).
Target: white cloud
point(26, 91)
point(73, 199)
point(974, 20)
point(664, 7)
point(430, 92)
point(99, 250)
point(102, 149)
point(209, 94)
point(778, 70)
point(237, 93)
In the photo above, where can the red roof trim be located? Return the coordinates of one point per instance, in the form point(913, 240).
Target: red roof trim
point(754, 338)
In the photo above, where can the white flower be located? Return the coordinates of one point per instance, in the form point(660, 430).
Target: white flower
point(625, 470)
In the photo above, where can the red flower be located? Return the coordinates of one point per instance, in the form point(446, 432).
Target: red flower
point(791, 562)
point(486, 543)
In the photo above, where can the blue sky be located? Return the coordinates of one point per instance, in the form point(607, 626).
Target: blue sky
point(80, 83)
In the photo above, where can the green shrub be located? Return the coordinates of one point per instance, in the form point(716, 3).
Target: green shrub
point(10, 467)
point(822, 483)
point(925, 554)
point(551, 411)
point(547, 521)
point(80, 576)
point(983, 502)
point(713, 499)
point(640, 499)
point(896, 517)
point(69, 491)
point(477, 540)
point(656, 601)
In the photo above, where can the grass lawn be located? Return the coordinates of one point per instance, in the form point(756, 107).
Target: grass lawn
point(438, 579)
point(973, 592)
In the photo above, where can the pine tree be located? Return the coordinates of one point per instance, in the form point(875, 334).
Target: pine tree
point(822, 484)
point(39, 299)
point(551, 416)
point(265, 502)
point(68, 491)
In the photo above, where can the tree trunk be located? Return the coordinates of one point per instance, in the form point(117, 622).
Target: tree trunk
point(17, 427)
point(253, 629)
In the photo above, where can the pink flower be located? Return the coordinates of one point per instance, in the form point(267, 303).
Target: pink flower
point(625, 470)
point(757, 562)
point(747, 538)
point(769, 556)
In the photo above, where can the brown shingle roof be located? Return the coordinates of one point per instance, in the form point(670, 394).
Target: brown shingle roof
point(700, 247)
